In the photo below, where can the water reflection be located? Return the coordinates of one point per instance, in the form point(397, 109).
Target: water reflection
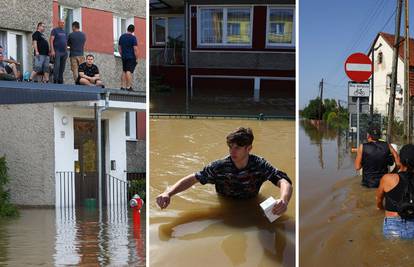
point(339, 221)
point(57, 237)
point(318, 133)
point(87, 237)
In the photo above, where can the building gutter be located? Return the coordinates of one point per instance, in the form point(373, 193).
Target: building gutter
point(98, 115)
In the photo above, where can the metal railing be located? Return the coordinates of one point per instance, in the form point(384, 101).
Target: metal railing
point(117, 191)
point(219, 116)
point(65, 189)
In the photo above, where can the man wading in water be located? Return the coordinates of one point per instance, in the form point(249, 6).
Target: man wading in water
point(239, 175)
point(374, 157)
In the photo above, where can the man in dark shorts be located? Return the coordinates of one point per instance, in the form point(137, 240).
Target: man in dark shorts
point(374, 157)
point(238, 176)
point(58, 50)
point(128, 48)
point(40, 53)
point(89, 73)
point(76, 42)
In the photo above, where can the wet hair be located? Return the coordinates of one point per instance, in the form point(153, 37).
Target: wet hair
point(90, 55)
point(407, 156)
point(374, 131)
point(131, 28)
point(76, 25)
point(40, 23)
point(241, 137)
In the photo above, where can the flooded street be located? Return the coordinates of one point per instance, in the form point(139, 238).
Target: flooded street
point(49, 237)
point(338, 219)
point(201, 229)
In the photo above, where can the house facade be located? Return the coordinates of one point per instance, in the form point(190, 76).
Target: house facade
point(240, 48)
point(49, 135)
point(102, 22)
point(383, 57)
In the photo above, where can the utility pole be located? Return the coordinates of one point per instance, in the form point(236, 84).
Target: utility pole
point(391, 102)
point(321, 99)
point(407, 94)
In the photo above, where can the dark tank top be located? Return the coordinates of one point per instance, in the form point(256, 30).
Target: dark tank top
point(395, 195)
point(374, 162)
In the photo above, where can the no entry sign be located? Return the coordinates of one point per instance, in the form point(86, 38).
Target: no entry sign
point(358, 67)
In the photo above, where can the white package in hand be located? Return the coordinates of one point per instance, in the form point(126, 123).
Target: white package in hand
point(267, 207)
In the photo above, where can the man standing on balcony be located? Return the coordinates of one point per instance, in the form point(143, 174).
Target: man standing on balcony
point(58, 50)
point(41, 54)
point(128, 48)
point(76, 42)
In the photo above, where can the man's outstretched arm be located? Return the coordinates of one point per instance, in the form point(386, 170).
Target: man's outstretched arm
point(163, 200)
point(285, 195)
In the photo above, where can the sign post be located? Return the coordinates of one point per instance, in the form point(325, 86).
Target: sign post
point(359, 68)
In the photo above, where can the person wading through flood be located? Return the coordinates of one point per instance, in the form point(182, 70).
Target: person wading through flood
point(239, 175)
point(398, 191)
point(374, 157)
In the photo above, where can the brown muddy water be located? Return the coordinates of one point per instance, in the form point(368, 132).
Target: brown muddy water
point(339, 224)
point(201, 229)
point(62, 237)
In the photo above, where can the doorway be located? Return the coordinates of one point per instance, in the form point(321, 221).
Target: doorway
point(86, 172)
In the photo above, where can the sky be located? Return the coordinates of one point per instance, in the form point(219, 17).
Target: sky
point(330, 31)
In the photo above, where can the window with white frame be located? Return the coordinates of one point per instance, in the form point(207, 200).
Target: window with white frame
point(280, 26)
point(120, 26)
point(167, 28)
point(131, 125)
point(13, 44)
point(69, 15)
point(225, 26)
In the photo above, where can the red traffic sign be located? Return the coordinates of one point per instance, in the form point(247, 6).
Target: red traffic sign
point(358, 67)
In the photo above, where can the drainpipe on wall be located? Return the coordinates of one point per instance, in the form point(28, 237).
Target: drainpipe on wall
point(187, 44)
point(98, 116)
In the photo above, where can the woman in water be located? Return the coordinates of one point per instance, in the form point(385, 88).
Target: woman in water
point(397, 189)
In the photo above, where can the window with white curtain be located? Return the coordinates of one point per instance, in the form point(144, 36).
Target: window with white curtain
point(280, 26)
point(69, 15)
point(13, 44)
point(120, 26)
point(131, 125)
point(225, 26)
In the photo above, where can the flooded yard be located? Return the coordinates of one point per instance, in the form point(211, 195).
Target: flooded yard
point(201, 229)
point(339, 222)
point(81, 237)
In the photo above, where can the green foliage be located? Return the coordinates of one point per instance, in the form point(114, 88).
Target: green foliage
point(138, 187)
point(311, 111)
point(333, 114)
point(6, 208)
point(397, 127)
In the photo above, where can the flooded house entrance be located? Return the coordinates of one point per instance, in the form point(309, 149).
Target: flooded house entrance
point(86, 172)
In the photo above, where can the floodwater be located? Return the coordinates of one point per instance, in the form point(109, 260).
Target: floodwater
point(339, 223)
point(201, 229)
point(49, 237)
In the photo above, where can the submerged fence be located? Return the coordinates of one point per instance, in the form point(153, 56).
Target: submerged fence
point(65, 189)
point(260, 116)
point(117, 191)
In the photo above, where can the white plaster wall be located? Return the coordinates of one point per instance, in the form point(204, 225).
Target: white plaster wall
point(381, 94)
point(115, 138)
point(115, 143)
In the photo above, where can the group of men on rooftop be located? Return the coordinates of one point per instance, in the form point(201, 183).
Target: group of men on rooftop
point(50, 57)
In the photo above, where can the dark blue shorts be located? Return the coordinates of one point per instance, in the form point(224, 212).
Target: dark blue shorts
point(129, 64)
